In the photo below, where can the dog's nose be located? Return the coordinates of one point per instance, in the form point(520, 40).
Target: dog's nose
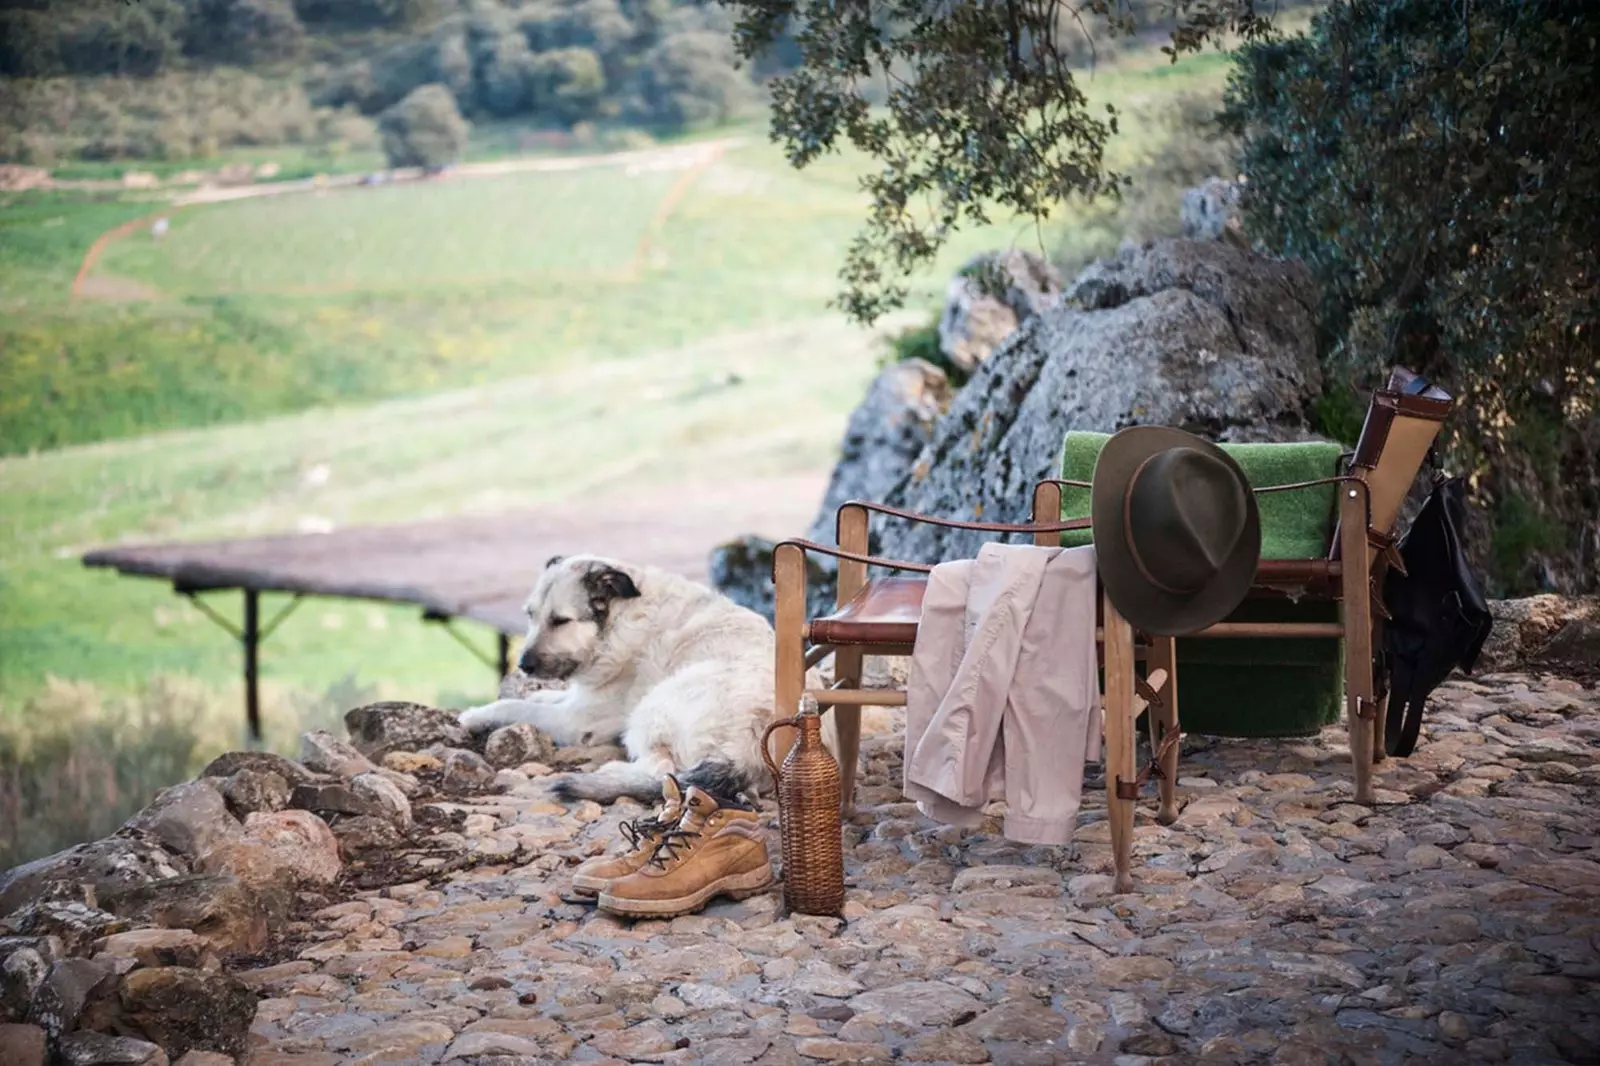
point(528, 663)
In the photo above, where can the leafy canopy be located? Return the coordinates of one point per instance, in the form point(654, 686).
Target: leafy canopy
point(982, 108)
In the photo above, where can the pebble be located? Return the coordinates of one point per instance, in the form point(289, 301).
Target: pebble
point(1275, 922)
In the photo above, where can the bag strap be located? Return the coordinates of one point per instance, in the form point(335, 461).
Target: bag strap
point(1402, 727)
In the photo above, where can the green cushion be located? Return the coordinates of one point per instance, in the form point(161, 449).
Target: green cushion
point(1253, 688)
point(1296, 524)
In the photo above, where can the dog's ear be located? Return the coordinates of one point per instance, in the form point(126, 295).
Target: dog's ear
point(607, 583)
point(553, 560)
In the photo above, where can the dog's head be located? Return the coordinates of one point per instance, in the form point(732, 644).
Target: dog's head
point(568, 611)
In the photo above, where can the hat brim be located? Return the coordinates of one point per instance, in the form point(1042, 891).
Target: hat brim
point(1145, 606)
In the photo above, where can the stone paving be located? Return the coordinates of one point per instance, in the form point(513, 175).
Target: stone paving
point(1276, 922)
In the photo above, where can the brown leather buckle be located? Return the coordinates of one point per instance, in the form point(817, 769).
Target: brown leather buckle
point(1127, 790)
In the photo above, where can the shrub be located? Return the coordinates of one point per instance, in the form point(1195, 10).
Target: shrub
point(566, 84)
point(1441, 177)
point(244, 31)
point(688, 79)
point(423, 130)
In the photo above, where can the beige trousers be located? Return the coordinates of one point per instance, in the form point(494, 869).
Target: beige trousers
point(1003, 698)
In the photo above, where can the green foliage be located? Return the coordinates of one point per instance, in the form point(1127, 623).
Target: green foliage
point(424, 129)
point(983, 111)
point(91, 37)
point(566, 84)
point(1441, 177)
point(688, 80)
point(244, 31)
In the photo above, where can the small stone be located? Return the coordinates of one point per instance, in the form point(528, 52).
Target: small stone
point(204, 1058)
point(489, 983)
point(466, 771)
point(451, 947)
point(386, 794)
point(411, 762)
point(1453, 1027)
point(516, 744)
point(707, 997)
point(918, 1003)
point(99, 1049)
point(366, 834)
point(1152, 1044)
point(21, 1045)
point(485, 1043)
point(325, 753)
point(641, 1041)
point(830, 1050)
point(380, 728)
point(250, 790)
point(954, 1045)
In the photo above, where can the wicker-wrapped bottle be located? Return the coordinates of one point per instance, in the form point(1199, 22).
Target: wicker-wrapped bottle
point(808, 812)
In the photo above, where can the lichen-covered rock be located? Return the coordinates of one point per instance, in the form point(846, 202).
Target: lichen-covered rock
point(988, 299)
point(217, 907)
point(101, 866)
point(465, 771)
point(300, 841)
point(366, 834)
point(325, 753)
point(1534, 631)
point(190, 819)
point(183, 1009)
point(388, 797)
point(380, 728)
point(334, 799)
point(741, 569)
point(249, 791)
point(1205, 336)
point(516, 744)
point(230, 763)
point(101, 1049)
point(159, 947)
point(24, 962)
point(1210, 211)
point(75, 925)
point(67, 989)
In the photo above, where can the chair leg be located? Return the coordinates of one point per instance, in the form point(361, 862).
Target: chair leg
point(1120, 763)
point(1163, 723)
point(789, 619)
point(847, 668)
point(1357, 617)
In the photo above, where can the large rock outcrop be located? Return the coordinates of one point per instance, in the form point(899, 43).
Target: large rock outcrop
point(988, 299)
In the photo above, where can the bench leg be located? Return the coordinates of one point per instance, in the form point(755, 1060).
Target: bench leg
point(1357, 617)
point(1120, 765)
point(1163, 723)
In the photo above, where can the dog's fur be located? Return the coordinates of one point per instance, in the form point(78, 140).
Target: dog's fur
point(677, 673)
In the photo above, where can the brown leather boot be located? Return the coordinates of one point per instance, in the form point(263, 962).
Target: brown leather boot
point(642, 835)
point(713, 851)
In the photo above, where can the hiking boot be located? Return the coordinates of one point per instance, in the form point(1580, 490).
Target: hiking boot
point(643, 834)
point(713, 851)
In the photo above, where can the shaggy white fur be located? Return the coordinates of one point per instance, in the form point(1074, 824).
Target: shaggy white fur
point(678, 674)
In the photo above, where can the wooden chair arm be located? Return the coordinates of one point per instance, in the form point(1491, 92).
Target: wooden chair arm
point(839, 553)
point(982, 527)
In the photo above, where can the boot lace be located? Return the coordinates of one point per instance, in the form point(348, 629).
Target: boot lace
point(642, 828)
point(667, 847)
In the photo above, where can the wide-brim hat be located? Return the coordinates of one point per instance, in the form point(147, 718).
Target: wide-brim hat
point(1177, 534)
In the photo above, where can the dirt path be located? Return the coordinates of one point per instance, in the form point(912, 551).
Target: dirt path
point(692, 159)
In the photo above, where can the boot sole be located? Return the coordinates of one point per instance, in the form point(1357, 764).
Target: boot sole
point(583, 885)
point(734, 886)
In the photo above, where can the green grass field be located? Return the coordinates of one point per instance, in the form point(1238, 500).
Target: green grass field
point(442, 347)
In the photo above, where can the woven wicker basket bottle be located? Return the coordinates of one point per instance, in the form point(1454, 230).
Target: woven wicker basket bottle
point(808, 811)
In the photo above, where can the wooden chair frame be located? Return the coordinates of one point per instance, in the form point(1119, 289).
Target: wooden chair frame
point(1360, 550)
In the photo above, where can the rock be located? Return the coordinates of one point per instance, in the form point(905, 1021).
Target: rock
point(23, 969)
point(230, 763)
point(365, 834)
point(21, 1045)
point(1168, 333)
point(249, 791)
point(327, 754)
point(379, 728)
point(391, 801)
point(1575, 648)
point(1210, 212)
point(102, 866)
point(411, 762)
point(190, 819)
point(465, 771)
point(988, 299)
point(954, 1046)
point(99, 1049)
point(218, 907)
point(741, 569)
point(513, 745)
point(301, 841)
point(70, 986)
point(158, 947)
point(183, 1009)
point(337, 799)
point(579, 756)
point(1524, 628)
point(918, 1003)
point(75, 925)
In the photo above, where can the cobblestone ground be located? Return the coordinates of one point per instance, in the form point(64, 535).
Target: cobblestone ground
point(1276, 922)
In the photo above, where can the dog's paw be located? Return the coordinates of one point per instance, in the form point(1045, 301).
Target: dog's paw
point(480, 719)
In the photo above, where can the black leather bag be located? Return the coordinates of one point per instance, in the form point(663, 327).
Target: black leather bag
point(1439, 618)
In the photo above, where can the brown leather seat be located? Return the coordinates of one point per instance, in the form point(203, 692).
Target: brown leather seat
point(885, 611)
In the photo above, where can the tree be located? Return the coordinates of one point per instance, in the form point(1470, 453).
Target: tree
point(983, 109)
point(566, 84)
point(423, 130)
point(687, 79)
point(1441, 177)
point(243, 31)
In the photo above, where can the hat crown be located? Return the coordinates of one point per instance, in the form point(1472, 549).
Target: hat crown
point(1185, 513)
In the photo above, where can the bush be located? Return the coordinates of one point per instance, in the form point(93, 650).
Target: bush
point(244, 31)
point(688, 79)
point(566, 85)
point(1441, 177)
point(423, 130)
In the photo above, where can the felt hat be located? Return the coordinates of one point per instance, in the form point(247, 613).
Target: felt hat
point(1177, 534)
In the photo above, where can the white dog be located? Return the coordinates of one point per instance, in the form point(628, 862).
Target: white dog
point(677, 673)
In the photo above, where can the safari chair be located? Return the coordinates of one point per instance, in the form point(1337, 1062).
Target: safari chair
point(879, 615)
